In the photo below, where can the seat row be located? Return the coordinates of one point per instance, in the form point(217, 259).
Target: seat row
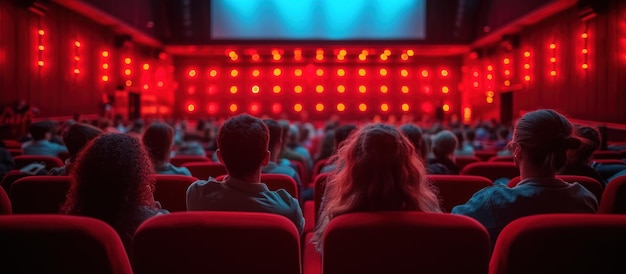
point(381, 242)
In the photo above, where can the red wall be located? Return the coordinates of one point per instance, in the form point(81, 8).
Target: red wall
point(597, 93)
point(54, 88)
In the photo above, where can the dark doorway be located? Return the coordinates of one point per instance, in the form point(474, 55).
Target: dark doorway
point(134, 106)
point(506, 108)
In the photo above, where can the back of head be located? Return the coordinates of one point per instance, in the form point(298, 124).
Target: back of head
point(414, 134)
point(458, 133)
point(545, 136)
point(158, 139)
point(78, 135)
point(243, 143)
point(276, 134)
point(112, 178)
point(590, 142)
point(444, 143)
point(470, 133)
point(343, 132)
point(38, 130)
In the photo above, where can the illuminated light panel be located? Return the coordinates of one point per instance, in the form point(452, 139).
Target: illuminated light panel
point(490, 68)
point(526, 66)
point(127, 71)
point(127, 61)
point(341, 57)
point(297, 89)
point(584, 35)
point(553, 73)
point(404, 57)
point(424, 73)
point(255, 89)
point(490, 93)
point(254, 108)
point(146, 87)
point(40, 63)
point(192, 73)
point(553, 59)
point(382, 72)
point(384, 107)
point(319, 107)
point(319, 89)
point(387, 52)
point(507, 72)
point(507, 83)
point(234, 73)
point(256, 73)
point(76, 58)
point(404, 73)
point(446, 107)
point(146, 66)
point(506, 61)
point(276, 89)
point(276, 57)
point(233, 89)
point(404, 89)
point(77, 44)
point(212, 108)
point(191, 107)
point(297, 72)
point(467, 114)
point(343, 52)
point(384, 57)
point(445, 89)
point(105, 78)
point(319, 72)
point(277, 72)
point(362, 89)
point(585, 66)
point(76, 71)
point(256, 57)
point(384, 89)
point(475, 74)
point(213, 73)
point(489, 100)
point(41, 32)
point(585, 51)
point(362, 107)
point(232, 107)
point(405, 107)
point(191, 90)
point(426, 90)
point(128, 83)
point(105, 54)
point(553, 46)
point(319, 57)
point(362, 72)
point(410, 52)
point(276, 108)
point(341, 88)
point(527, 78)
point(40, 47)
point(489, 76)
point(341, 107)
point(444, 72)
point(362, 57)
point(341, 72)
point(160, 84)
point(527, 54)
point(475, 84)
point(297, 107)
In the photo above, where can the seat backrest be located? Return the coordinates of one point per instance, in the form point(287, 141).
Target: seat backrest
point(281, 181)
point(5, 203)
point(204, 170)
point(15, 151)
point(606, 154)
point(171, 191)
point(610, 161)
point(10, 178)
point(319, 182)
point(614, 197)
point(561, 243)
point(179, 160)
point(60, 244)
point(217, 242)
point(462, 161)
point(589, 183)
point(492, 170)
point(501, 159)
point(300, 169)
point(39, 194)
point(404, 242)
point(8, 143)
point(457, 189)
point(50, 161)
point(485, 154)
point(317, 167)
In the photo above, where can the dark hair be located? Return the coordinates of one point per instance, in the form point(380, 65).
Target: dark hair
point(342, 133)
point(470, 133)
point(545, 136)
point(158, 139)
point(38, 130)
point(444, 143)
point(590, 142)
point(459, 137)
point(243, 142)
point(111, 180)
point(78, 135)
point(276, 133)
point(415, 135)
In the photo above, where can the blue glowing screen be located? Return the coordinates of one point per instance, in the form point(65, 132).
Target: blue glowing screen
point(318, 19)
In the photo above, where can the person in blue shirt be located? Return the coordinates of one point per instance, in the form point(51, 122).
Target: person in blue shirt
point(242, 145)
point(540, 143)
point(41, 132)
point(158, 139)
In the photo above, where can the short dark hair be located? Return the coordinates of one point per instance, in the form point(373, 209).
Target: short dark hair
point(415, 135)
point(276, 132)
point(158, 139)
point(243, 142)
point(78, 135)
point(590, 142)
point(38, 130)
point(343, 132)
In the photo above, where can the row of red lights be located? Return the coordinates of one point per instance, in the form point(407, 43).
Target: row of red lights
point(212, 108)
point(277, 55)
point(255, 89)
point(298, 72)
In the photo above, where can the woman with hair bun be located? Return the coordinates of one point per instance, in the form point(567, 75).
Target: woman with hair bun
point(539, 147)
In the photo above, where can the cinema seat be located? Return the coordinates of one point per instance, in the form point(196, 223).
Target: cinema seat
point(561, 243)
point(50, 162)
point(614, 197)
point(179, 160)
point(5, 203)
point(492, 170)
point(281, 181)
point(404, 242)
point(217, 242)
point(589, 183)
point(48, 243)
point(606, 154)
point(462, 161)
point(457, 189)
point(501, 159)
point(319, 183)
point(171, 191)
point(39, 194)
point(206, 169)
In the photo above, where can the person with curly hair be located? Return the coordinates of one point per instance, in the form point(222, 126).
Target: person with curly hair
point(377, 170)
point(113, 182)
point(540, 143)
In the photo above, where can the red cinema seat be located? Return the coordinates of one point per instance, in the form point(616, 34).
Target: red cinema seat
point(457, 189)
point(501, 159)
point(39, 194)
point(179, 160)
point(171, 191)
point(614, 197)
point(281, 181)
point(462, 161)
point(492, 170)
point(5, 203)
point(50, 162)
point(204, 170)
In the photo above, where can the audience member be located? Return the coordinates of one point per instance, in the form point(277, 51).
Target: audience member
point(136, 129)
point(113, 182)
point(579, 161)
point(540, 142)
point(76, 137)
point(41, 132)
point(275, 144)
point(326, 146)
point(192, 145)
point(463, 147)
point(6, 161)
point(380, 172)
point(414, 134)
point(470, 134)
point(444, 144)
point(243, 143)
point(341, 134)
point(158, 139)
